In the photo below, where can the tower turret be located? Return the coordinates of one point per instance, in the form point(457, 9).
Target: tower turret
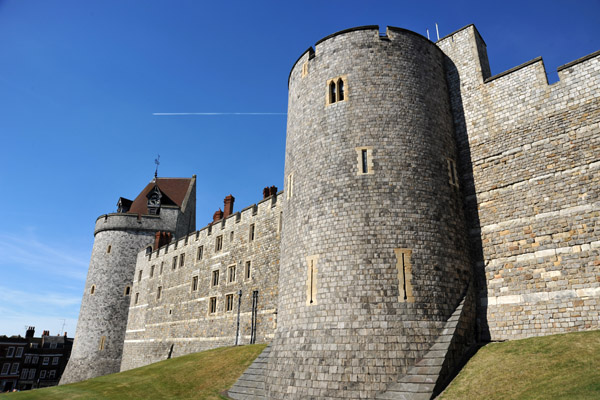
point(167, 205)
point(374, 258)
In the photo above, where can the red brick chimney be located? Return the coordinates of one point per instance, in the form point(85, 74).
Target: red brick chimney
point(218, 215)
point(30, 332)
point(161, 239)
point(228, 206)
point(269, 191)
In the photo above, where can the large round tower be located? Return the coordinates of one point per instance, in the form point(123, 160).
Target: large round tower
point(166, 205)
point(374, 257)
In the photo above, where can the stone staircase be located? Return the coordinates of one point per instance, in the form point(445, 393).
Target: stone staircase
point(251, 385)
point(427, 378)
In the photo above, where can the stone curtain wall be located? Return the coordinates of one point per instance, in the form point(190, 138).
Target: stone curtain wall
point(530, 163)
point(343, 225)
point(180, 320)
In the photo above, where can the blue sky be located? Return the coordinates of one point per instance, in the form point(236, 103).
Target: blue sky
point(80, 82)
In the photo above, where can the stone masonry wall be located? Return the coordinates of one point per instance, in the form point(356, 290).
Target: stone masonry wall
point(530, 166)
point(180, 322)
point(348, 223)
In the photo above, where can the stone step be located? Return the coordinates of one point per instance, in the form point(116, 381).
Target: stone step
point(412, 387)
point(418, 379)
point(431, 362)
point(244, 390)
point(403, 396)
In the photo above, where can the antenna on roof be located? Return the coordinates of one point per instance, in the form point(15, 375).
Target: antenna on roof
point(437, 31)
point(157, 162)
point(62, 329)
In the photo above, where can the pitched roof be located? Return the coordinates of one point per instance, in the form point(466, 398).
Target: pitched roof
point(174, 189)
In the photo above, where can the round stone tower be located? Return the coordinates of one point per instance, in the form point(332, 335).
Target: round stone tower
point(374, 256)
point(165, 205)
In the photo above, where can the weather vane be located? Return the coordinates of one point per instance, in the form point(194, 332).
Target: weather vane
point(157, 162)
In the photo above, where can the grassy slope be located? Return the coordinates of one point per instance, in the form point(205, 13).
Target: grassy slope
point(201, 376)
point(551, 367)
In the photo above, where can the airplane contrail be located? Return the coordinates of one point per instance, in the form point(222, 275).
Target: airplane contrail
point(220, 113)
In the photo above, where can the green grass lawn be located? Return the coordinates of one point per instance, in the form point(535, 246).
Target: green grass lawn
point(200, 376)
point(551, 367)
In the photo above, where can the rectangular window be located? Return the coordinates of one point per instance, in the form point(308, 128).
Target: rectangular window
point(5, 368)
point(182, 259)
point(19, 352)
point(215, 277)
point(194, 283)
point(200, 252)
point(158, 292)
point(137, 298)
point(24, 373)
point(152, 271)
point(34, 346)
point(10, 352)
point(404, 268)
point(364, 160)
point(46, 361)
point(311, 280)
point(27, 359)
point(175, 262)
point(251, 233)
point(212, 305)
point(219, 243)
point(43, 374)
point(52, 374)
point(231, 273)
point(54, 360)
point(15, 369)
point(35, 359)
point(231, 236)
point(229, 302)
point(161, 268)
point(452, 174)
point(102, 344)
point(248, 269)
point(32, 373)
point(290, 186)
point(280, 221)
point(140, 275)
point(52, 345)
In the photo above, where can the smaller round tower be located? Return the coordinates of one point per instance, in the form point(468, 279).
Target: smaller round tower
point(165, 205)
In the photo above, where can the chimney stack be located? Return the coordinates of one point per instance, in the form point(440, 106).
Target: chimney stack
point(161, 239)
point(30, 332)
point(269, 191)
point(46, 333)
point(218, 215)
point(228, 206)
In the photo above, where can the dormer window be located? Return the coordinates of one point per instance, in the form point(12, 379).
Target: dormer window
point(123, 205)
point(154, 201)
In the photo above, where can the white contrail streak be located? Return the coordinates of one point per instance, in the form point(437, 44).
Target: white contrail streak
point(220, 113)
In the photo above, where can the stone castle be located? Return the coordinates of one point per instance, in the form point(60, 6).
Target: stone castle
point(427, 205)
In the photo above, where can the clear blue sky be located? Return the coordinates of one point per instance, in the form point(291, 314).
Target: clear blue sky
point(80, 81)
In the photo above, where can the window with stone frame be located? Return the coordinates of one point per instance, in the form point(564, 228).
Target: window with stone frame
point(452, 173)
point(251, 233)
point(181, 259)
point(194, 283)
point(248, 271)
point(127, 290)
point(231, 273)
point(137, 298)
point(19, 353)
point(215, 278)
point(158, 292)
point(46, 361)
point(101, 345)
point(10, 352)
point(140, 273)
point(212, 307)
point(219, 243)
point(174, 262)
point(36, 359)
point(54, 360)
point(336, 90)
point(32, 373)
point(24, 373)
point(200, 252)
point(92, 289)
point(229, 302)
point(162, 264)
point(52, 374)
point(5, 368)
point(43, 374)
point(27, 360)
point(152, 271)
